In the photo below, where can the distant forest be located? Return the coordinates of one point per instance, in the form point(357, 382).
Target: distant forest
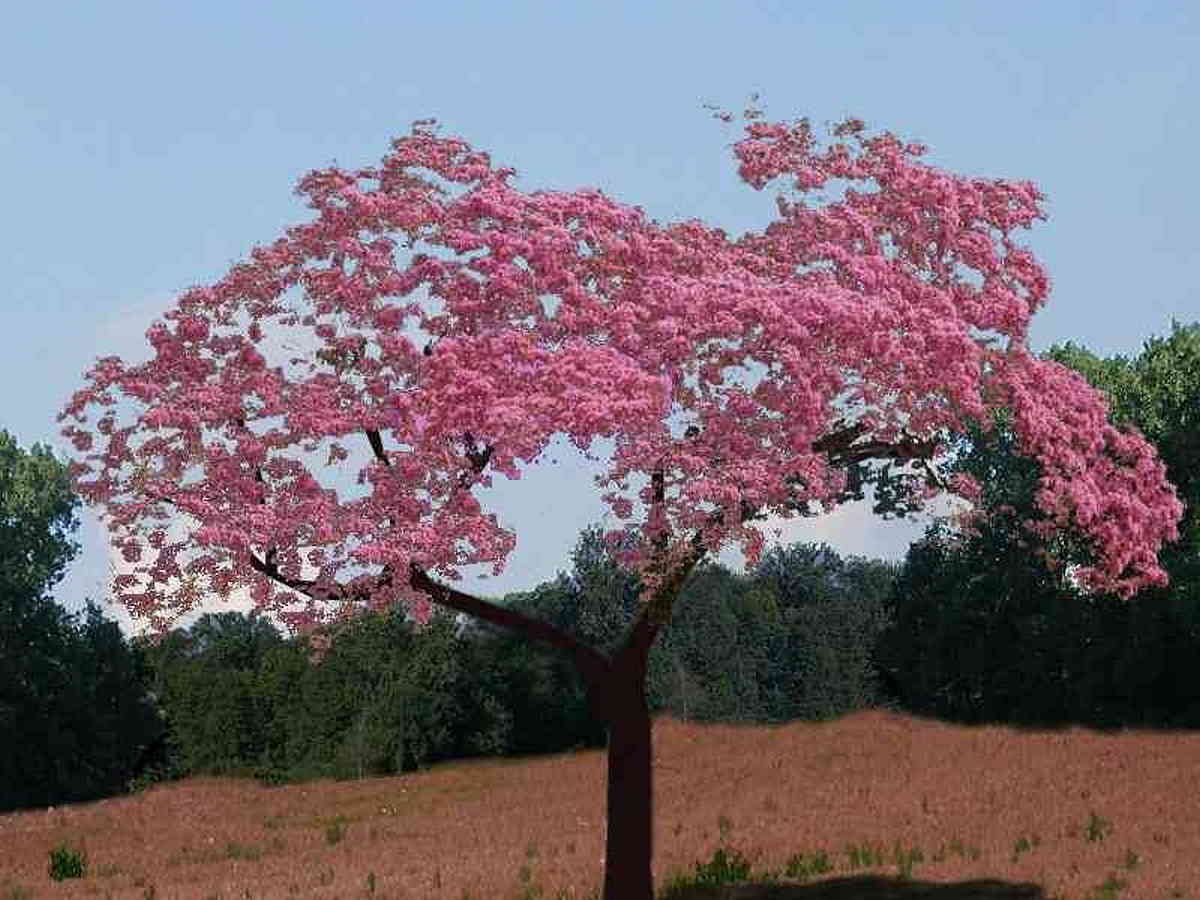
point(968, 628)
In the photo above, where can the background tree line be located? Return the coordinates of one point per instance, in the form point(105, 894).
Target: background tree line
point(967, 629)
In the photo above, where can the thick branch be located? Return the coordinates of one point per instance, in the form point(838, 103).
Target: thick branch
point(376, 443)
point(661, 605)
point(906, 448)
point(837, 446)
point(840, 439)
point(593, 664)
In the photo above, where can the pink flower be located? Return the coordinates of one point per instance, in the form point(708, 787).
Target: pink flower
point(649, 317)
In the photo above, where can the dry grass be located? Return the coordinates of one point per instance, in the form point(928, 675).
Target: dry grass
point(1070, 811)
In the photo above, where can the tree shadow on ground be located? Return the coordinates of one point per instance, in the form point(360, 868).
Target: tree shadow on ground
point(869, 887)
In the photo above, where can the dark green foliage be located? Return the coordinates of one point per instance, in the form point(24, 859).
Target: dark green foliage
point(73, 693)
point(830, 613)
point(542, 696)
point(985, 631)
point(414, 709)
point(384, 699)
point(714, 638)
point(66, 862)
point(539, 691)
point(388, 699)
point(206, 680)
point(115, 719)
point(73, 707)
point(37, 515)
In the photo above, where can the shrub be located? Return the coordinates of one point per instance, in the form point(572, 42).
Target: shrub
point(66, 862)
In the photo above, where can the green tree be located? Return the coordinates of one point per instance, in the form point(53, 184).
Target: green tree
point(72, 702)
point(543, 695)
point(37, 645)
point(37, 516)
point(115, 717)
point(1155, 654)
point(205, 679)
point(985, 631)
point(831, 613)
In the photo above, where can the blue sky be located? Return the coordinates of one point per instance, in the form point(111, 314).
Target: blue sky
point(147, 147)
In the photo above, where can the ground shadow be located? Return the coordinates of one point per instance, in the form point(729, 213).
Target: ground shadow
point(869, 887)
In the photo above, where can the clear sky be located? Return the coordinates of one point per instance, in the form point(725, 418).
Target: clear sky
point(146, 147)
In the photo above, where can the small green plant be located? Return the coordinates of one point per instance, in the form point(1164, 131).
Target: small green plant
point(1109, 890)
point(802, 867)
point(905, 859)
point(863, 857)
point(335, 830)
point(1097, 828)
point(371, 883)
point(528, 890)
point(242, 851)
point(1023, 845)
point(66, 862)
point(726, 867)
point(15, 891)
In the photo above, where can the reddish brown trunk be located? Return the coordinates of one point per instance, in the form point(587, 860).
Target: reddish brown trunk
point(629, 841)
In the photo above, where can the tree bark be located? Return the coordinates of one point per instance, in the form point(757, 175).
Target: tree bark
point(629, 846)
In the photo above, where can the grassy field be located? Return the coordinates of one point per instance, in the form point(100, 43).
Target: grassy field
point(874, 805)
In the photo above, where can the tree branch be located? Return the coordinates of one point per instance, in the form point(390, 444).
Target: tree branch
point(376, 443)
point(837, 445)
point(593, 665)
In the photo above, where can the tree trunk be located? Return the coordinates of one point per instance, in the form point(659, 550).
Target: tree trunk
point(629, 841)
point(616, 693)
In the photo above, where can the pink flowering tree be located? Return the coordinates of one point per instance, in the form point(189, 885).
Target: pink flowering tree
point(888, 315)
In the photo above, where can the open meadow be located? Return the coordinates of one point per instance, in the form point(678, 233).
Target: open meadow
point(1082, 814)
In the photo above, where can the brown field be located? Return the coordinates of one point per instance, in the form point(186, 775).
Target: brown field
point(1070, 811)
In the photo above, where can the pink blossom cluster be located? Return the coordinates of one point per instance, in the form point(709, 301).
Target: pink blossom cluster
point(910, 282)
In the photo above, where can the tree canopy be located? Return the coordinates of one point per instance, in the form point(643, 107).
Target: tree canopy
point(73, 707)
point(888, 319)
point(38, 508)
point(864, 300)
